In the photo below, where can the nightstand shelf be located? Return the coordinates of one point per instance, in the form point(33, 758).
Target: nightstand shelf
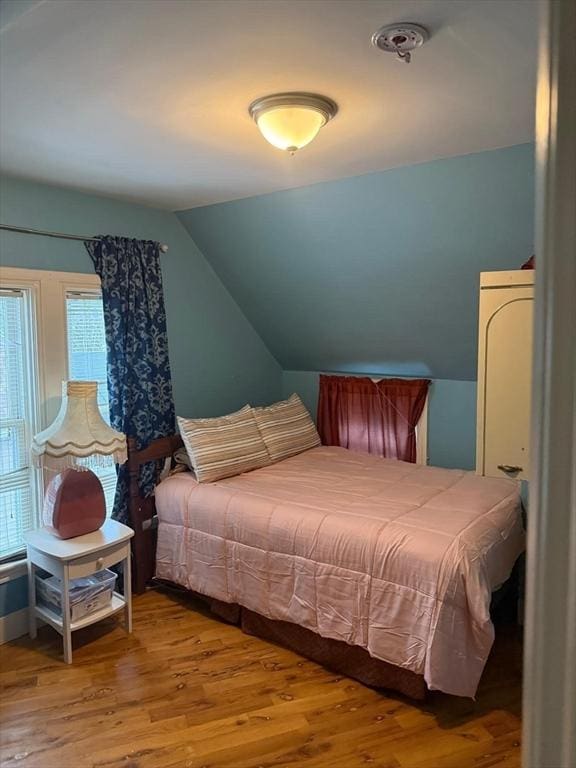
point(117, 604)
point(68, 559)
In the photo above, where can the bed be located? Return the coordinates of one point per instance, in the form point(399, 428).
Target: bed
point(394, 562)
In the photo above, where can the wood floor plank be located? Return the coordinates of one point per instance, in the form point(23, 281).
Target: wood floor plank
point(186, 690)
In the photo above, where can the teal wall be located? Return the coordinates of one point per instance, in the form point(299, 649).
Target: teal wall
point(374, 274)
point(451, 416)
point(377, 272)
point(218, 360)
point(13, 595)
point(452, 424)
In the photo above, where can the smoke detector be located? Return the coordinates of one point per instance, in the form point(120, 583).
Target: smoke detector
point(400, 39)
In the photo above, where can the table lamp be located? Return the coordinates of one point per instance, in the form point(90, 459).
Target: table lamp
point(74, 502)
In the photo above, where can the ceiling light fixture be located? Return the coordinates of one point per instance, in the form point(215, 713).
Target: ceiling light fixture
point(400, 39)
point(289, 121)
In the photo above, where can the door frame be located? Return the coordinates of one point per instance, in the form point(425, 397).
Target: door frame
point(549, 720)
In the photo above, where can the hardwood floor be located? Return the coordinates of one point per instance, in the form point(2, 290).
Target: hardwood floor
point(187, 691)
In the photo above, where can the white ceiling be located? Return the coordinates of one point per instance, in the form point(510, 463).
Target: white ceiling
point(147, 99)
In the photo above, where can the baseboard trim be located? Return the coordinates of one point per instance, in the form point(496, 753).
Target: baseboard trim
point(13, 625)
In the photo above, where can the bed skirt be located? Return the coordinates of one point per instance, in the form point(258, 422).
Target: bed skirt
point(349, 660)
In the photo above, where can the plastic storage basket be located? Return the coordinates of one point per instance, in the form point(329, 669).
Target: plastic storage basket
point(86, 595)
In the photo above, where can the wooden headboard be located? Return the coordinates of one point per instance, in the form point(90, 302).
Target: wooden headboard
point(143, 509)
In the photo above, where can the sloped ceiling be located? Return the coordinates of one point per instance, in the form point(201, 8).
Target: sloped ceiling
point(377, 273)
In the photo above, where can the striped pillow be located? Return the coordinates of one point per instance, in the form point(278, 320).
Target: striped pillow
point(287, 428)
point(223, 447)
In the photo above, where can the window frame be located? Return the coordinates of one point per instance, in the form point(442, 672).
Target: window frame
point(49, 356)
point(30, 293)
point(422, 435)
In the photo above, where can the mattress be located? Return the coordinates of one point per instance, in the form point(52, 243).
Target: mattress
point(397, 558)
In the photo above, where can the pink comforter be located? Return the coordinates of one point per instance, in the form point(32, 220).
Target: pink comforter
point(397, 558)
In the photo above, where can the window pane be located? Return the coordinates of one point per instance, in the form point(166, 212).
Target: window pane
point(87, 344)
point(87, 362)
point(17, 480)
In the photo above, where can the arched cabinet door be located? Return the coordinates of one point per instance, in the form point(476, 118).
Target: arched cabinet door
point(505, 374)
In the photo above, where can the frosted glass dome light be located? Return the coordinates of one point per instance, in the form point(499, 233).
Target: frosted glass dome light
point(290, 121)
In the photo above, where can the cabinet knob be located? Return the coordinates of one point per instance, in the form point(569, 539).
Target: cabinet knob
point(99, 563)
point(509, 468)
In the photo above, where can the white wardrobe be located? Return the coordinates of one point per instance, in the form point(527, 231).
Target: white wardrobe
point(504, 374)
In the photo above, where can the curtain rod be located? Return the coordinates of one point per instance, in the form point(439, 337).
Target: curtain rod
point(59, 235)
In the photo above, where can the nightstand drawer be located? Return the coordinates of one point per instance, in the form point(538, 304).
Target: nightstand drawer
point(84, 566)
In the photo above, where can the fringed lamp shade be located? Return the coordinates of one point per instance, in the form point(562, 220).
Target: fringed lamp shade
point(78, 431)
point(74, 503)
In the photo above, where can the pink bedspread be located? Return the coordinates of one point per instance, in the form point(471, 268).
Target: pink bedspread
point(398, 558)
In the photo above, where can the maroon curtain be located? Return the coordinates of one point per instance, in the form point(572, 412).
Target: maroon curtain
point(372, 417)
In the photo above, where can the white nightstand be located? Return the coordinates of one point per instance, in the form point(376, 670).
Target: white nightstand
point(71, 559)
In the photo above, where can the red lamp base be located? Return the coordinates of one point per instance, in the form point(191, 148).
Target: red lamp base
point(74, 504)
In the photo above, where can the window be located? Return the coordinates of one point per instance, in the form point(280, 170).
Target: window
point(381, 416)
point(18, 482)
point(52, 324)
point(86, 342)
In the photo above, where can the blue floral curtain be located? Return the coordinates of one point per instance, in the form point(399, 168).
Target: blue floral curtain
point(139, 382)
